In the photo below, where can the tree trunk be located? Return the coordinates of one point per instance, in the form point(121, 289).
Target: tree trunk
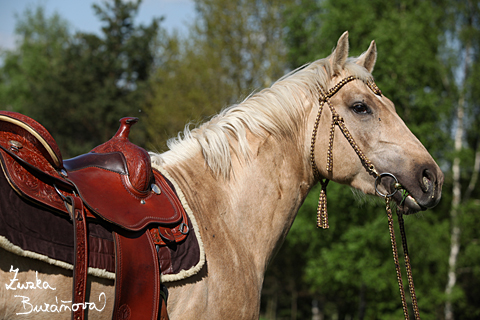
point(474, 178)
point(272, 303)
point(362, 304)
point(456, 199)
point(294, 306)
point(316, 313)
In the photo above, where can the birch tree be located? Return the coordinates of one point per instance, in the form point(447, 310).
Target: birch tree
point(465, 34)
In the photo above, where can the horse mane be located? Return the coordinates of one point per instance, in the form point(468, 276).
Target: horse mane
point(273, 111)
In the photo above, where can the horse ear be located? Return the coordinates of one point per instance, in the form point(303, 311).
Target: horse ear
point(369, 57)
point(340, 54)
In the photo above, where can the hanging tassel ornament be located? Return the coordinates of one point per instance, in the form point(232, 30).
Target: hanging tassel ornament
point(322, 215)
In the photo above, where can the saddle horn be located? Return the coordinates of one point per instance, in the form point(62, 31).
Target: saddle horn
point(137, 159)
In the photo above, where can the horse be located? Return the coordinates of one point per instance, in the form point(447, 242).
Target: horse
point(244, 175)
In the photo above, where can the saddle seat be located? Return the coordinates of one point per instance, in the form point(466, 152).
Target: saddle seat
point(131, 194)
point(113, 184)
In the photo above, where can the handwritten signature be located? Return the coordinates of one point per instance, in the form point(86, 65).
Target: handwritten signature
point(63, 306)
point(38, 284)
point(28, 307)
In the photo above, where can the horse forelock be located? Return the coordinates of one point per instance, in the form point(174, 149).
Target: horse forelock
point(278, 111)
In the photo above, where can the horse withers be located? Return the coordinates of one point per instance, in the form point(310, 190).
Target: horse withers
point(245, 173)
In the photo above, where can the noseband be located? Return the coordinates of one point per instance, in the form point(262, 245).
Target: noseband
point(322, 217)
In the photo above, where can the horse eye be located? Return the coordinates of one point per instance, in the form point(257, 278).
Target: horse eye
point(361, 108)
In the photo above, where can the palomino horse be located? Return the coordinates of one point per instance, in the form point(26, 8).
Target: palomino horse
point(244, 175)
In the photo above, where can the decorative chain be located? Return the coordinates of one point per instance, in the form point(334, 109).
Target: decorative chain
point(330, 140)
point(316, 173)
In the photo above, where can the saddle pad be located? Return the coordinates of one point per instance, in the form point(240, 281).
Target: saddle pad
point(33, 231)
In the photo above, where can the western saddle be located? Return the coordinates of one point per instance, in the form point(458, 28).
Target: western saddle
point(114, 184)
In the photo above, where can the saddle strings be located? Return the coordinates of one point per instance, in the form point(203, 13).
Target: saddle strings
point(322, 215)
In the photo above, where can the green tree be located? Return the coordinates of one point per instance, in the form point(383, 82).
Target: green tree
point(349, 268)
point(233, 49)
point(87, 81)
point(408, 66)
point(34, 62)
point(460, 290)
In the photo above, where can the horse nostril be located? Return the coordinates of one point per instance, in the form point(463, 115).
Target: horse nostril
point(427, 182)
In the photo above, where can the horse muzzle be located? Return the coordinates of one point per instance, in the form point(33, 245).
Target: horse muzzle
point(420, 192)
point(429, 187)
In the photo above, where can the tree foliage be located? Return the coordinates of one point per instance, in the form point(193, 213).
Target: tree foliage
point(26, 70)
point(349, 271)
point(78, 86)
point(234, 48)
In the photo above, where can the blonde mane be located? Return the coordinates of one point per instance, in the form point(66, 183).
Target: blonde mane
point(275, 111)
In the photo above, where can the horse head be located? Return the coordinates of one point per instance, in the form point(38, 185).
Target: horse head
point(373, 141)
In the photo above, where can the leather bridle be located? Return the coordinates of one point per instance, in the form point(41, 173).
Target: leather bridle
point(322, 216)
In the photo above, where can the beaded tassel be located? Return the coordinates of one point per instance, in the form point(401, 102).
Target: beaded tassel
point(322, 215)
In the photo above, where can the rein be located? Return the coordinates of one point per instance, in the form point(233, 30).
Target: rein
point(322, 216)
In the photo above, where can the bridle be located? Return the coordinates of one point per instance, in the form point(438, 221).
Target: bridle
point(322, 216)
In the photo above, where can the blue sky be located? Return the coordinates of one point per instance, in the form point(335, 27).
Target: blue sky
point(79, 13)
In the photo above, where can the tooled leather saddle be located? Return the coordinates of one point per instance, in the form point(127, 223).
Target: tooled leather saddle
point(114, 184)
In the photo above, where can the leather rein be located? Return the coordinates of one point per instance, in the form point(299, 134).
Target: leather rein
point(322, 216)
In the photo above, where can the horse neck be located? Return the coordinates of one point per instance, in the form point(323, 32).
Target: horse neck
point(250, 213)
